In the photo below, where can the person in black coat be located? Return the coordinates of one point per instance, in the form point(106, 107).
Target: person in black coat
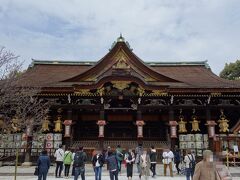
point(43, 164)
point(98, 161)
point(130, 159)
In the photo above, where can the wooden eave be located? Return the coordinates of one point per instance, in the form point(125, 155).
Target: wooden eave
point(215, 92)
point(236, 129)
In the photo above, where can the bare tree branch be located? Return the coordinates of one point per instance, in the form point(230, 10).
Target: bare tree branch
point(20, 106)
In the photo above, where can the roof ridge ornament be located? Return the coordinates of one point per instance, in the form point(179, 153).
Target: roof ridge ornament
point(120, 39)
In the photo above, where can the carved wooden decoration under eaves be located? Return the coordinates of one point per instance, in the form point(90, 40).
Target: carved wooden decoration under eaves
point(120, 84)
point(83, 92)
point(121, 61)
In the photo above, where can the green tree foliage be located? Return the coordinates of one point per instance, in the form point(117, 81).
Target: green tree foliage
point(231, 71)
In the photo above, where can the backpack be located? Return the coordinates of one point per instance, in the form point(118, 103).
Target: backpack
point(192, 163)
point(79, 160)
point(130, 156)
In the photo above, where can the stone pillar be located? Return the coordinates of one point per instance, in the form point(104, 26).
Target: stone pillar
point(67, 135)
point(101, 124)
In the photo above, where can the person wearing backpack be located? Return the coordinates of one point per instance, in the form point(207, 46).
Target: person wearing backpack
point(190, 162)
point(67, 160)
point(79, 164)
point(153, 158)
point(112, 166)
point(97, 162)
point(59, 155)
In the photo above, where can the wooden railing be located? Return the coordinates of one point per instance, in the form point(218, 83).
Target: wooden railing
point(113, 143)
point(9, 154)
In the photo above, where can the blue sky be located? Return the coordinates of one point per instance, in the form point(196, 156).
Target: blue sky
point(157, 30)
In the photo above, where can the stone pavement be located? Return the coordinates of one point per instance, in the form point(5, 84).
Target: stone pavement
point(26, 173)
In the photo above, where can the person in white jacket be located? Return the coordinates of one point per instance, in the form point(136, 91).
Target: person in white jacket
point(167, 161)
point(59, 155)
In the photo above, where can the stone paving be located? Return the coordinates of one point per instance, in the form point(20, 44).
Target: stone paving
point(26, 173)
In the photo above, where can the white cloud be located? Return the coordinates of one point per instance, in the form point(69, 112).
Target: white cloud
point(158, 30)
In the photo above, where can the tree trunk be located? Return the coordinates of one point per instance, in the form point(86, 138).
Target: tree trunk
point(27, 157)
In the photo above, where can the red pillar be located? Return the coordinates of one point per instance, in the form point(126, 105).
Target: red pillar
point(173, 133)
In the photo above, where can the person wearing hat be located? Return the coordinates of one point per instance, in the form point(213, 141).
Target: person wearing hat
point(205, 169)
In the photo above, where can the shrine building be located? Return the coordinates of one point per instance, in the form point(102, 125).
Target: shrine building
point(122, 99)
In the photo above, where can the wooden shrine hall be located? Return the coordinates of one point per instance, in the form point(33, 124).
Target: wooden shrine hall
point(122, 99)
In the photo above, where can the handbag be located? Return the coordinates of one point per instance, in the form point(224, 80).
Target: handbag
point(183, 169)
point(36, 172)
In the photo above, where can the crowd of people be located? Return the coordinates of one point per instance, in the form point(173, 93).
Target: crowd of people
point(145, 160)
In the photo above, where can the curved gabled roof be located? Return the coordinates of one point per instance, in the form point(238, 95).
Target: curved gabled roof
point(121, 58)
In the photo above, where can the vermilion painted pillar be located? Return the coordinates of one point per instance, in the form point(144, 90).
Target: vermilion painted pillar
point(140, 123)
point(211, 129)
point(173, 128)
point(101, 125)
point(68, 133)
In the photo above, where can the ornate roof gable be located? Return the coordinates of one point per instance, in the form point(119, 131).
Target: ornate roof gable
point(120, 64)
